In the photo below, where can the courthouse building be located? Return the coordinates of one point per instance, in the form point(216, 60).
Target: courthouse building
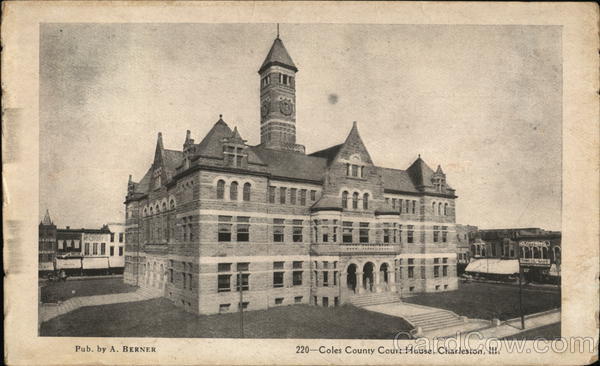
point(284, 226)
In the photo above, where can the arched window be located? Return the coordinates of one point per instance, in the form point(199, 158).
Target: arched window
point(164, 206)
point(365, 201)
point(220, 189)
point(445, 209)
point(233, 191)
point(536, 252)
point(345, 199)
point(355, 200)
point(433, 207)
point(544, 253)
point(440, 209)
point(172, 204)
point(246, 191)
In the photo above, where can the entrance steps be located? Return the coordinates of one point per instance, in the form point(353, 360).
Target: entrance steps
point(434, 320)
point(374, 298)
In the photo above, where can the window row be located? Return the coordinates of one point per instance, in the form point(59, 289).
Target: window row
point(67, 244)
point(281, 78)
point(436, 234)
point(158, 208)
point(279, 274)
point(112, 237)
point(322, 278)
point(355, 198)
point(357, 171)
point(186, 274)
point(402, 205)
point(94, 251)
point(439, 208)
point(242, 278)
point(233, 191)
point(295, 197)
point(226, 226)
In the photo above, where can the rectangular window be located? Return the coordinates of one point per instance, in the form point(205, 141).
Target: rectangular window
point(297, 264)
point(224, 308)
point(407, 206)
point(325, 278)
point(436, 234)
point(335, 231)
point(422, 272)
point(411, 272)
point(410, 234)
point(293, 196)
point(400, 206)
point(243, 230)
point(436, 271)
point(102, 248)
point(224, 228)
point(347, 232)
point(87, 249)
point(297, 231)
point(399, 233)
point(278, 300)
point(245, 282)
point(271, 194)
point(386, 232)
point(303, 197)
point(444, 234)
point(278, 265)
point(171, 275)
point(282, 193)
point(364, 232)
point(445, 271)
point(313, 195)
point(393, 203)
point(224, 283)
point(224, 267)
point(112, 237)
point(335, 275)
point(414, 206)
point(112, 251)
point(120, 251)
point(120, 237)
point(60, 244)
point(243, 267)
point(355, 170)
point(297, 278)
point(298, 299)
point(95, 249)
point(278, 230)
point(76, 244)
point(278, 279)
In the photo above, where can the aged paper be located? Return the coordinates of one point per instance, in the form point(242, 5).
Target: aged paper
point(501, 97)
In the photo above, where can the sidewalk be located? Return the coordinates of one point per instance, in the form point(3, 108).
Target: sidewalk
point(50, 311)
point(513, 326)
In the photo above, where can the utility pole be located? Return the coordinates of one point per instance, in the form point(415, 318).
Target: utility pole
point(521, 290)
point(241, 290)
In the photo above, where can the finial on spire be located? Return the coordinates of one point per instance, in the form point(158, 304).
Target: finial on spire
point(277, 30)
point(220, 116)
point(419, 156)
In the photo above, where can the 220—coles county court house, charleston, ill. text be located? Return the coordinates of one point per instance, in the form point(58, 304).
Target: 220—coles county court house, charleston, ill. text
point(282, 225)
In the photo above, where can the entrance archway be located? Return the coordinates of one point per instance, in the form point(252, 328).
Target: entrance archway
point(351, 277)
point(384, 272)
point(368, 276)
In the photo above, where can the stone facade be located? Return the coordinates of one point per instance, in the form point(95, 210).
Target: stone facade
point(283, 226)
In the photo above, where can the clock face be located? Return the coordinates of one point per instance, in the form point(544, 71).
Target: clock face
point(264, 108)
point(286, 107)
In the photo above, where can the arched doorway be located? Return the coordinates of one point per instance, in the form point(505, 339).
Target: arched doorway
point(384, 272)
point(368, 276)
point(351, 277)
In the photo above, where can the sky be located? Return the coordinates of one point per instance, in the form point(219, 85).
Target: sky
point(484, 102)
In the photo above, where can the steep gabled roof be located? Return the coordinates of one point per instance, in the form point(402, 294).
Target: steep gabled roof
point(420, 173)
point(171, 160)
point(212, 144)
point(397, 180)
point(330, 153)
point(354, 143)
point(289, 164)
point(279, 56)
point(47, 220)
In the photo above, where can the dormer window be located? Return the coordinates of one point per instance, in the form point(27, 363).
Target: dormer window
point(234, 156)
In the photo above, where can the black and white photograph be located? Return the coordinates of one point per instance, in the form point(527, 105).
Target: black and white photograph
point(391, 186)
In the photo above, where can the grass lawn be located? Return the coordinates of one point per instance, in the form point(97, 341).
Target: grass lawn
point(551, 331)
point(160, 318)
point(61, 291)
point(489, 300)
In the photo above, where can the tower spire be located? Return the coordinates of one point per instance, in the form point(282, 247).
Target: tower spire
point(277, 30)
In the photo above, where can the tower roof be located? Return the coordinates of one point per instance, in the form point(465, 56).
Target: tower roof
point(47, 220)
point(279, 56)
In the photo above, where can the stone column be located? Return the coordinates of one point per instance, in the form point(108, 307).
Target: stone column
point(392, 280)
point(359, 283)
point(376, 278)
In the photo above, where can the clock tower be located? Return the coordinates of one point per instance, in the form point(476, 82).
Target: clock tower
point(278, 100)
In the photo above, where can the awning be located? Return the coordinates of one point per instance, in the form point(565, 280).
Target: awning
point(494, 266)
point(70, 263)
point(95, 263)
